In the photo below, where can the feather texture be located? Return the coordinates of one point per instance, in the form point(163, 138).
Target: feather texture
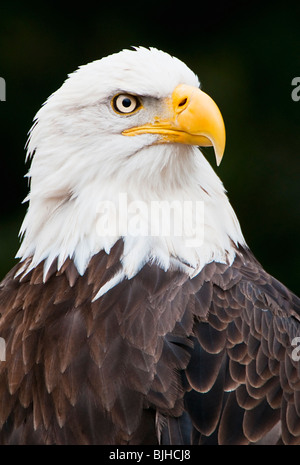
point(158, 344)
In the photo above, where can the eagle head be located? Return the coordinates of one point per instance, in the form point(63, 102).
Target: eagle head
point(127, 124)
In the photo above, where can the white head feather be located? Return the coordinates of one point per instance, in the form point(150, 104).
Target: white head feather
point(81, 159)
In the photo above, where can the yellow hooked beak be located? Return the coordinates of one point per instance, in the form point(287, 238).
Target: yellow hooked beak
point(191, 117)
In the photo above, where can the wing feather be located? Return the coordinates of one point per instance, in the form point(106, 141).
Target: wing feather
point(258, 318)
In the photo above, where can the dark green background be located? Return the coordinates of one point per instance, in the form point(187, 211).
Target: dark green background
point(246, 55)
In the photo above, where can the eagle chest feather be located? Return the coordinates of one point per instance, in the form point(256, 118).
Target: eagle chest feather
point(143, 361)
point(112, 357)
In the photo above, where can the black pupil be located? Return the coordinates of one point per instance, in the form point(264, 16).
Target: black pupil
point(126, 102)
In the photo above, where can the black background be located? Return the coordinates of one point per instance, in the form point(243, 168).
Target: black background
point(245, 54)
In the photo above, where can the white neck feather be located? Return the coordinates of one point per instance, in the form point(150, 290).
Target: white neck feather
point(66, 215)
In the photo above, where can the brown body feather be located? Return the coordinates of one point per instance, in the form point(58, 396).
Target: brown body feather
point(208, 360)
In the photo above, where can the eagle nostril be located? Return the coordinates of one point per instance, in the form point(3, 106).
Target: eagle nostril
point(182, 102)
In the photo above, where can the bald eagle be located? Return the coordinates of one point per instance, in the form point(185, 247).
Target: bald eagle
point(137, 313)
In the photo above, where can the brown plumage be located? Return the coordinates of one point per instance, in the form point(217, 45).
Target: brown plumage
point(207, 359)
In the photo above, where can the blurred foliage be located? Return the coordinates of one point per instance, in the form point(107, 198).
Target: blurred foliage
point(245, 54)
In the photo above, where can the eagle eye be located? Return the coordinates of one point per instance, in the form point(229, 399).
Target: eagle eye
point(125, 103)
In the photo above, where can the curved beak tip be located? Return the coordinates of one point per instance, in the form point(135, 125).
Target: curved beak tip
point(219, 151)
point(201, 119)
point(218, 160)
